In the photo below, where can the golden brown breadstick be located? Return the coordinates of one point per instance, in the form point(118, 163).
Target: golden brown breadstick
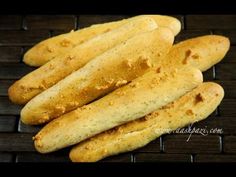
point(140, 97)
point(200, 52)
point(52, 47)
point(100, 76)
point(49, 74)
point(190, 108)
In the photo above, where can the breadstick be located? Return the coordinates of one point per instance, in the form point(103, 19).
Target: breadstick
point(103, 74)
point(194, 106)
point(200, 52)
point(49, 74)
point(140, 97)
point(61, 44)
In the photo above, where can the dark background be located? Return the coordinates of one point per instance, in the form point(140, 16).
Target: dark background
point(117, 6)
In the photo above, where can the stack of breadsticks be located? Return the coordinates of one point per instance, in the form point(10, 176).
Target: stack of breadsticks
point(115, 87)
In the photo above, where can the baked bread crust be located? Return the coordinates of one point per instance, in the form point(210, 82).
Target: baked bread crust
point(142, 96)
point(100, 76)
point(201, 52)
point(57, 69)
point(194, 106)
point(61, 44)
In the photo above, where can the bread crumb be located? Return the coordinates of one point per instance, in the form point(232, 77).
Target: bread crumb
point(199, 98)
point(111, 103)
point(65, 43)
point(119, 129)
point(43, 85)
point(72, 31)
point(189, 112)
point(49, 49)
point(110, 81)
point(127, 63)
point(121, 82)
point(145, 62)
point(195, 56)
point(72, 104)
point(45, 116)
point(43, 119)
point(166, 107)
point(59, 109)
point(69, 57)
point(187, 55)
point(120, 93)
point(174, 73)
point(102, 87)
point(51, 66)
point(158, 70)
point(155, 114)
